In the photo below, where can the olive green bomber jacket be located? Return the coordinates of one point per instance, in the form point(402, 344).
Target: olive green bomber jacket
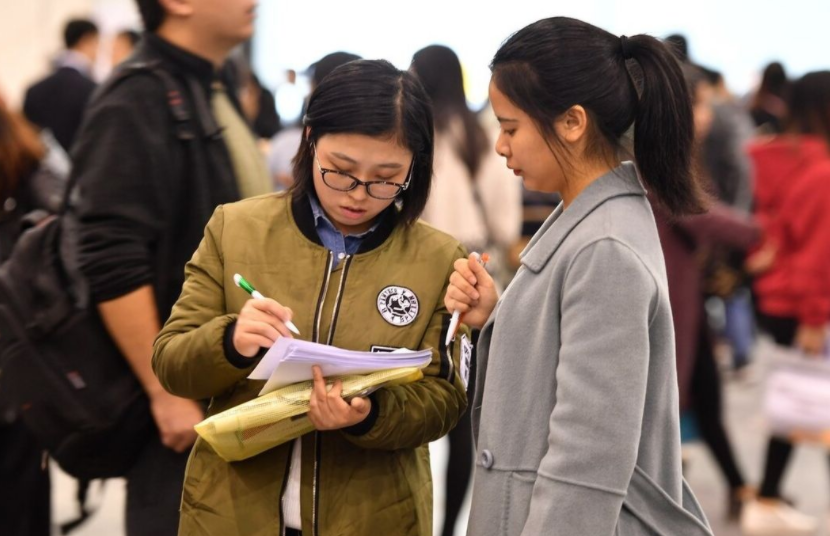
point(373, 478)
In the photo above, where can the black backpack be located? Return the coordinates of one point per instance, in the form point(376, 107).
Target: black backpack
point(59, 368)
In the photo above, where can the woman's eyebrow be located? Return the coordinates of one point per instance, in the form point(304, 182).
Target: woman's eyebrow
point(350, 160)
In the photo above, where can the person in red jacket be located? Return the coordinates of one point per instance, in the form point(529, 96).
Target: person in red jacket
point(793, 204)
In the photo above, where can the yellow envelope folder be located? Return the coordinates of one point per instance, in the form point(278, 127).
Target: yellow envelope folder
point(280, 416)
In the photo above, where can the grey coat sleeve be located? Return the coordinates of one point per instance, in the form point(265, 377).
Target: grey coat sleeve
point(608, 301)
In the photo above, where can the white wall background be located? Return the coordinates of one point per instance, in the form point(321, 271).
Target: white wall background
point(737, 37)
point(31, 33)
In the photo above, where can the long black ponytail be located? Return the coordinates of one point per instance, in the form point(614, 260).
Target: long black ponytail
point(664, 127)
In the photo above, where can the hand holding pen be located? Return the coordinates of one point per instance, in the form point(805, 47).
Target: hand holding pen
point(471, 293)
point(261, 322)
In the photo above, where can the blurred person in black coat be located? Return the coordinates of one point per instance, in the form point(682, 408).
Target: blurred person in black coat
point(58, 101)
point(32, 178)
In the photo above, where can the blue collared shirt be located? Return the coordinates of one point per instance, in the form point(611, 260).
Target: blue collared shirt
point(331, 237)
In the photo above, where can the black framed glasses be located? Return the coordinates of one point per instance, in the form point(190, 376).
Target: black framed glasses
point(343, 182)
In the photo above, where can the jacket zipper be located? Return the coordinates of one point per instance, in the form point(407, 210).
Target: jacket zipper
point(314, 497)
point(282, 493)
point(315, 338)
point(336, 308)
point(316, 477)
point(321, 301)
point(452, 364)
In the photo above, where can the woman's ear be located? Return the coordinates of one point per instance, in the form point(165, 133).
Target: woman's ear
point(572, 125)
point(308, 134)
point(179, 8)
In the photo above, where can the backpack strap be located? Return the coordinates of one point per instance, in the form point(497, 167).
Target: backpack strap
point(85, 512)
point(208, 122)
point(175, 101)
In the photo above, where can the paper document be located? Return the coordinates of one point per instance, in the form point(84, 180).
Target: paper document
point(289, 361)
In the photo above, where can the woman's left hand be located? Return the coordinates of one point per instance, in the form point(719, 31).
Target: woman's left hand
point(327, 409)
point(761, 260)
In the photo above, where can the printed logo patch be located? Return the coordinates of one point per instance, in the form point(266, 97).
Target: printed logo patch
point(398, 305)
point(466, 359)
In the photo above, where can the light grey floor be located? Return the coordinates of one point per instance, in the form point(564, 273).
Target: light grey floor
point(808, 480)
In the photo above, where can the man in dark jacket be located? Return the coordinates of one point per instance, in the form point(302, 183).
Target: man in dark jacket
point(58, 101)
point(148, 181)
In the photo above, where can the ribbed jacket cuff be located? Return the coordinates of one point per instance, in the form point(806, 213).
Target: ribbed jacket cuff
point(235, 358)
point(366, 425)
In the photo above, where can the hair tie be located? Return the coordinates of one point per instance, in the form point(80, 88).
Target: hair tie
point(625, 47)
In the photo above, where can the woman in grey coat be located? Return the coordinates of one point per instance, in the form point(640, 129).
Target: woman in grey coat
point(576, 411)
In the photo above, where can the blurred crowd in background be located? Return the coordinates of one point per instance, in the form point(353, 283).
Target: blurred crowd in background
point(756, 264)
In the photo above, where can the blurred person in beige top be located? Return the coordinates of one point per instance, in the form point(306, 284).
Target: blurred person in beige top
point(474, 197)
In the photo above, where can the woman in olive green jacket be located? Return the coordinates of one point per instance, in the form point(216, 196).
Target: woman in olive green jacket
point(343, 257)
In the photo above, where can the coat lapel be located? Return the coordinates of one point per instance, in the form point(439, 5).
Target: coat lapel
point(621, 181)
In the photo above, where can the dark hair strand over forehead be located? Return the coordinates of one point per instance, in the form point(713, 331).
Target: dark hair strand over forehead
point(373, 98)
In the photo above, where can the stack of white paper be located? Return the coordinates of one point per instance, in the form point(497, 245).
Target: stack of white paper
point(290, 361)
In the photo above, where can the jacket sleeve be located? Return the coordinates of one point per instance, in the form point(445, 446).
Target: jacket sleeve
point(408, 416)
point(189, 355)
point(608, 303)
point(120, 202)
point(809, 228)
point(722, 225)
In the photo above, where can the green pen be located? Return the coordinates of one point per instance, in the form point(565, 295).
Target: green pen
point(255, 294)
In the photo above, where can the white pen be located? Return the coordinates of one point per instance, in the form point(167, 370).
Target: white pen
point(456, 315)
point(255, 294)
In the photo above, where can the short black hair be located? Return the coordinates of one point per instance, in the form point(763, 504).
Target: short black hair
point(774, 80)
point(695, 76)
point(152, 13)
point(322, 67)
point(678, 44)
point(809, 105)
point(712, 76)
point(373, 98)
point(76, 30)
point(131, 35)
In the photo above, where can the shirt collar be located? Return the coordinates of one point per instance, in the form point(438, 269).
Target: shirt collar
point(187, 62)
point(74, 60)
point(619, 182)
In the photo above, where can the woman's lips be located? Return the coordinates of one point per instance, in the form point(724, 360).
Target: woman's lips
point(352, 213)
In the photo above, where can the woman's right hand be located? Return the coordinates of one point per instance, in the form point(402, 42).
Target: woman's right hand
point(471, 291)
point(260, 324)
point(811, 339)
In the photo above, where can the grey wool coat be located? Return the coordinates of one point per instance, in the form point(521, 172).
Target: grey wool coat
point(576, 411)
